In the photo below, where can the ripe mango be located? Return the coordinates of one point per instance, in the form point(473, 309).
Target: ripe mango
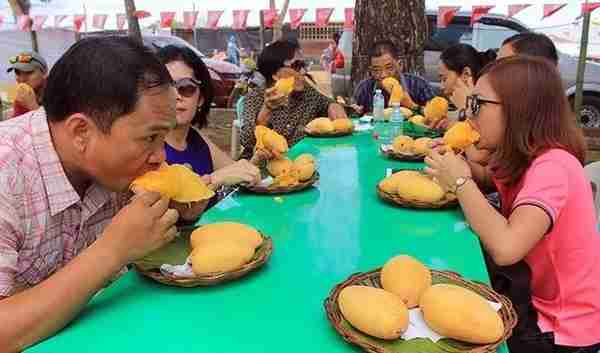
point(418, 119)
point(374, 311)
point(229, 231)
point(220, 256)
point(285, 86)
point(343, 125)
point(420, 188)
point(305, 170)
point(403, 144)
point(421, 145)
point(321, 126)
point(435, 110)
point(460, 136)
point(390, 184)
point(461, 314)
point(270, 140)
point(305, 158)
point(277, 167)
point(176, 182)
point(406, 277)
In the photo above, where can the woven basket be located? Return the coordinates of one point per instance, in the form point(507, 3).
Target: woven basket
point(406, 157)
point(257, 189)
point(331, 134)
point(449, 201)
point(446, 345)
point(261, 256)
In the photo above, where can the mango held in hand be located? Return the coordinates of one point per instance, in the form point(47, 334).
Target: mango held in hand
point(394, 88)
point(321, 126)
point(406, 277)
point(285, 86)
point(277, 167)
point(419, 188)
point(270, 140)
point(23, 89)
point(435, 110)
point(461, 136)
point(229, 231)
point(461, 314)
point(220, 256)
point(176, 182)
point(374, 311)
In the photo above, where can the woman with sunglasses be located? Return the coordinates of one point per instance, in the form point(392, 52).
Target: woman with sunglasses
point(547, 221)
point(285, 114)
point(186, 143)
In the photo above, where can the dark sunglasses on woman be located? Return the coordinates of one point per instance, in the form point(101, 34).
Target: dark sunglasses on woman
point(474, 103)
point(298, 65)
point(187, 87)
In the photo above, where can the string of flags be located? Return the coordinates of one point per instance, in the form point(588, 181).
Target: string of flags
point(269, 16)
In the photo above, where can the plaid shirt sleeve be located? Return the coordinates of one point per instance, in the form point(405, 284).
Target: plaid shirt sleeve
point(418, 88)
point(363, 95)
point(11, 235)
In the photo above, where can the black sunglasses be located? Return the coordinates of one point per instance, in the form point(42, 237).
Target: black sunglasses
point(187, 87)
point(298, 65)
point(474, 103)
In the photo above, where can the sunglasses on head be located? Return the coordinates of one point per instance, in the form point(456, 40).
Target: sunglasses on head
point(474, 103)
point(187, 87)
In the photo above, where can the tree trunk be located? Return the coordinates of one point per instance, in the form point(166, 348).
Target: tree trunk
point(132, 21)
point(401, 21)
point(22, 7)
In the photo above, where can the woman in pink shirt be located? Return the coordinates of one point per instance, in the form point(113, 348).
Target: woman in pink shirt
point(546, 231)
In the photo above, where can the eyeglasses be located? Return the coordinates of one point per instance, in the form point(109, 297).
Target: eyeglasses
point(297, 65)
point(187, 87)
point(378, 70)
point(474, 103)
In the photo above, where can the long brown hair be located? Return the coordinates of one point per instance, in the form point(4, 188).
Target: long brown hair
point(536, 111)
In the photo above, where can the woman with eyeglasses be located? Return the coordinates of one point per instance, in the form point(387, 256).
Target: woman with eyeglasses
point(547, 221)
point(288, 115)
point(186, 143)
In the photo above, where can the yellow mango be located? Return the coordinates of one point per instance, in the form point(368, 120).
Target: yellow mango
point(422, 144)
point(403, 144)
point(23, 89)
point(406, 112)
point(176, 182)
point(374, 311)
point(277, 167)
point(305, 158)
point(220, 256)
point(230, 231)
point(321, 126)
point(285, 86)
point(305, 170)
point(270, 140)
point(436, 110)
point(343, 125)
point(290, 179)
point(460, 136)
point(461, 314)
point(390, 184)
point(406, 277)
point(418, 119)
point(420, 188)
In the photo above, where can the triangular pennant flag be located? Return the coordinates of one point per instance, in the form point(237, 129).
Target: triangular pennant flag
point(240, 19)
point(98, 21)
point(323, 16)
point(166, 19)
point(551, 9)
point(445, 15)
point(38, 22)
point(78, 21)
point(58, 20)
point(269, 17)
point(515, 9)
point(479, 11)
point(296, 17)
point(213, 19)
point(349, 18)
point(141, 14)
point(1, 20)
point(24, 23)
point(189, 19)
point(589, 7)
point(121, 20)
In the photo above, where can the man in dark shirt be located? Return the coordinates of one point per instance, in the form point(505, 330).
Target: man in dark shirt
point(384, 64)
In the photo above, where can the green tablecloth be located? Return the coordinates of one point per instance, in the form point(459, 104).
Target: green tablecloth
point(321, 236)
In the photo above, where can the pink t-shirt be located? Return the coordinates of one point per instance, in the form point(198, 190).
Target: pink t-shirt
point(565, 264)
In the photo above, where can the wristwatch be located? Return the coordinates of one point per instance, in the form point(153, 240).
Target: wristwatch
point(460, 182)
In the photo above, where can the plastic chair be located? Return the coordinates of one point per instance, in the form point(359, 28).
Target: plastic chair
point(236, 128)
point(592, 170)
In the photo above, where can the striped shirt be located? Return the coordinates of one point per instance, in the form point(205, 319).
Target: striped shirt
point(44, 223)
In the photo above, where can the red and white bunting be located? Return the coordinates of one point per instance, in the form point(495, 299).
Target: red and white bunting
point(58, 19)
point(189, 19)
point(213, 19)
point(99, 21)
point(121, 21)
point(478, 12)
point(349, 18)
point(445, 15)
point(1, 20)
point(39, 21)
point(589, 7)
point(166, 19)
point(296, 16)
point(240, 19)
point(139, 14)
point(78, 21)
point(323, 16)
point(551, 9)
point(515, 9)
point(24, 23)
point(269, 17)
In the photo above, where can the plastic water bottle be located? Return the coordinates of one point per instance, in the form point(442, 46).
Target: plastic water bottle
point(396, 121)
point(378, 105)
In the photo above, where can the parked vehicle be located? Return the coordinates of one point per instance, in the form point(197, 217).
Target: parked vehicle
point(488, 33)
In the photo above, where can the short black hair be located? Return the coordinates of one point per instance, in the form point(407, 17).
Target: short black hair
point(533, 44)
point(103, 78)
point(383, 47)
point(171, 53)
point(459, 56)
point(274, 57)
point(336, 37)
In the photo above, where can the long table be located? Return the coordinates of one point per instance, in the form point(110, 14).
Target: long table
point(321, 236)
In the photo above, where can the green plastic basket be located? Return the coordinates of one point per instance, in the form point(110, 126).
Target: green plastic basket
point(417, 131)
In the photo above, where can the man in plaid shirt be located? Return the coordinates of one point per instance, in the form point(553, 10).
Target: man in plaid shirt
point(64, 233)
point(383, 64)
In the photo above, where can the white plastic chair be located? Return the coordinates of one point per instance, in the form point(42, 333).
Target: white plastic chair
point(593, 172)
